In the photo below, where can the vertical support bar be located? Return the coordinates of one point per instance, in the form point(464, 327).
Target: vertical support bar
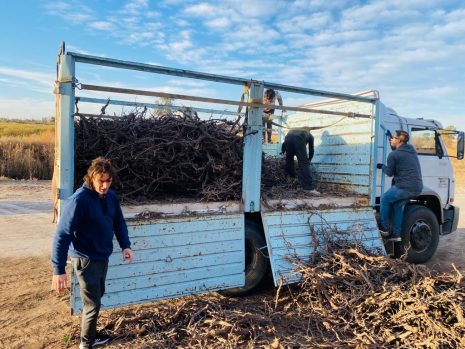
point(65, 131)
point(374, 150)
point(252, 160)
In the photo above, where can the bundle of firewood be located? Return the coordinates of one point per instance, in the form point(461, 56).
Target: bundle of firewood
point(168, 156)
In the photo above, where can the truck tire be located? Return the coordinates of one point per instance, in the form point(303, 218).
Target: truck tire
point(420, 233)
point(256, 261)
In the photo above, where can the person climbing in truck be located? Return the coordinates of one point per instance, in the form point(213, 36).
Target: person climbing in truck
point(403, 164)
point(294, 144)
point(269, 97)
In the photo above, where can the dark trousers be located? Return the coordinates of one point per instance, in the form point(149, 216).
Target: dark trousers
point(295, 146)
point(91, 277)
point(267, 128)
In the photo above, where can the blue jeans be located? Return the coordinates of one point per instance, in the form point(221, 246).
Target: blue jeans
point(394, 200)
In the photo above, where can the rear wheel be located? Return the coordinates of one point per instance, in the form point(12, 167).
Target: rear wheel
point(420, 234)
point(256, 261)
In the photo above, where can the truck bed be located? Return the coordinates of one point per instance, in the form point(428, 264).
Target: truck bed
point(186, 208)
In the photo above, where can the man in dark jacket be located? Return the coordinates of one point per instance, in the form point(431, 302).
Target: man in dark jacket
point(295, 144)
point(403, 164)
point(90, 218)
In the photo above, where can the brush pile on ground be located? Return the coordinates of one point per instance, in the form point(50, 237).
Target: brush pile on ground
point(164, 156)
point(173, 155)
point(347, 299)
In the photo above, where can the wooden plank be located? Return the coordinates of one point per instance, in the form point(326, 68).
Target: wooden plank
point(296, 235)
point(149, 281)
point(181, 251)
point(173, 257)
point(183, 225)
point(124, 298)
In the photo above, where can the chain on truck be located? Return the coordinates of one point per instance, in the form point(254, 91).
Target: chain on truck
point(231, 246)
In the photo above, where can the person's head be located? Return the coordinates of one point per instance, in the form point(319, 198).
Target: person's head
point(400, 138)
point(100, 175)
point(269, 94)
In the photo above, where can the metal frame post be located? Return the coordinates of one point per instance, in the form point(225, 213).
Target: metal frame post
point(252, 160)
point(65, 131)
point(373, 170)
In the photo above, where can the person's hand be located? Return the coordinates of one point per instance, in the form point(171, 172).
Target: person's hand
point(59, 283)
point(379, 166)
point(128, 255)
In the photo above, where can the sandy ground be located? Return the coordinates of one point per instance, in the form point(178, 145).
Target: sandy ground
point(31, 316)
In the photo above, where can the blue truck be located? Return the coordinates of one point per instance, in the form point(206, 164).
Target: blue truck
point(186, 248)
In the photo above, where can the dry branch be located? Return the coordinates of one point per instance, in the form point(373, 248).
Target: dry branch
point(347, 299)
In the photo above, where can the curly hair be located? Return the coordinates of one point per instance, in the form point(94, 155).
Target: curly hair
point(99, 166)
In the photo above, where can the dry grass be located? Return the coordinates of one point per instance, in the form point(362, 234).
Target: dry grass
point(26, 150)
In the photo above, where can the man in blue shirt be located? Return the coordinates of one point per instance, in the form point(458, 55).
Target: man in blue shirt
point(403, 164)
point(89, 220)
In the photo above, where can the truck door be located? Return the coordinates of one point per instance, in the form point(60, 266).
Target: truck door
point(435, 167)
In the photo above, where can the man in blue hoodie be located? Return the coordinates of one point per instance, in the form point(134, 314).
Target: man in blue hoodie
point(90, 218)
point(403, 164)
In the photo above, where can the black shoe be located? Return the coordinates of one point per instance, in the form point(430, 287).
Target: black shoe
point(101, 340)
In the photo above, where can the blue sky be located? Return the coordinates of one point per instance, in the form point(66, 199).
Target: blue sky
point(411, 51)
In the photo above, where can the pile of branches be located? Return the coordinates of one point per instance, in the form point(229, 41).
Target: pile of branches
point(174, 155)
point(275, 184)
point(164, 156)
point(347, 299)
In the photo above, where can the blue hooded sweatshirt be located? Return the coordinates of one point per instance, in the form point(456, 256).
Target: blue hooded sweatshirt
point(86, 227)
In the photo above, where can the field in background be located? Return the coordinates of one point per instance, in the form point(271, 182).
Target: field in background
point(26, 149)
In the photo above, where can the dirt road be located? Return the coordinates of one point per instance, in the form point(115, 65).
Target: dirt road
point(31, 315)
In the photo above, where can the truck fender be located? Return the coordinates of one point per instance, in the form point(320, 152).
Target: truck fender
point(432, 200)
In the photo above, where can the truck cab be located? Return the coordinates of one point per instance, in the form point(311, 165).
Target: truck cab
point(426, 217)
point(432, 213)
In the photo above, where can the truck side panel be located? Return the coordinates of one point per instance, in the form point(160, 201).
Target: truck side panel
point(299, 235)
point(343, 145)
point(174, 257)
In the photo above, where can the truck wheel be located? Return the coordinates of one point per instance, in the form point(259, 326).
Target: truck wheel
point(420, 233)
point(256, 261)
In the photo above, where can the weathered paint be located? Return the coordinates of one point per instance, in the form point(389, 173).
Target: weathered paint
point(174, 257)
point(298, 235)
point(65, 132)
point(343, 145)
point(252, 165)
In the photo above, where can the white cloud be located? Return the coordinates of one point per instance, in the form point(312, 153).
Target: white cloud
point(135, 6)
point(101, 25)
point(27, 108)
point(403, 48)
point(202, 9)
point(71, 11)
point(38, 78)
point(218, 23)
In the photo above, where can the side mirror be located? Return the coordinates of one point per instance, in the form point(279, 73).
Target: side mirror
point(460, 145)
